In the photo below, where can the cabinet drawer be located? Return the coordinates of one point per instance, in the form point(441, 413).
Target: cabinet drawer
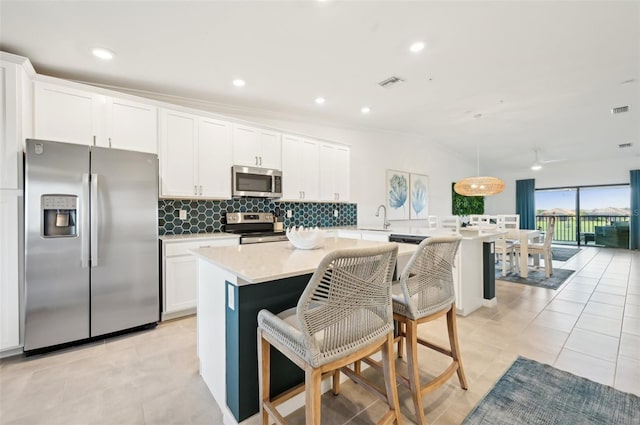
point(171, 249)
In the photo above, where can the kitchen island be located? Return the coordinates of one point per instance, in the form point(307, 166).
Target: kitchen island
point(236, 282)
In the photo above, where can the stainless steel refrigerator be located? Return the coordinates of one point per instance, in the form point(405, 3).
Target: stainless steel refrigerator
point(91, 262)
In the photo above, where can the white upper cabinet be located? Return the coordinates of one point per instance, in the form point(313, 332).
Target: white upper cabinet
point(256, 147)
point(178, 140)
point(334, 172)
point(67, 115)
point(15, 123)
point(215, 154)
point(72, 115)
point(132, 125)
point(196, 156)
point(300, 169)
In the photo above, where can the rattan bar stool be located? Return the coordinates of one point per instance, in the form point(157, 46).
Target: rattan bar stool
point(343, 314)
point(424, 293)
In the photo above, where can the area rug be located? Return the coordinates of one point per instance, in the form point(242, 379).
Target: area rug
point(534, 393)
point(537, 278)
point(563, 254)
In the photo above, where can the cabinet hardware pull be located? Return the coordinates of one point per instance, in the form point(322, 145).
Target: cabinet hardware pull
point(109, 142)
point(338, 196)
point(260, 160)
point(94, 140)
point(200, 189)
point(195, 189)
point(256, 160)
point(304, 195)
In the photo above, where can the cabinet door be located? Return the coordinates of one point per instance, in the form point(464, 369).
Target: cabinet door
point(309, 170)
point(300, 169)
point(291, 168)
point(178, 168)
point(10, 151)
point(270, 149)
point(246, 146)
point(68, 115)
point(180, 283)
point(334, 172)
point(9, 281)
point(132, 126)
point(341, 172)
point(215, 156)
point(328, 168)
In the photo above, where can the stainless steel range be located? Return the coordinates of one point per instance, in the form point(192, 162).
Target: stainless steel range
point(253, 227)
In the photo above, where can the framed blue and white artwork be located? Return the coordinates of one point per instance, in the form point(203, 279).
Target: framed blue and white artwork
point(397, 195)
point(419, 196)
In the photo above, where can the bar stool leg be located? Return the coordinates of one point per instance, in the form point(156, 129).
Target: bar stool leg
point(313, 379)
point(336, 382)
point(401, 332)
point(388, 365)
point(414, 374)
point(264, 373)
point(452, 327)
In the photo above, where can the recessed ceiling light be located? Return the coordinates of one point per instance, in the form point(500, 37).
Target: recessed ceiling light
point(365, 110)
point(102, 53)
point(320, 100)
point(417, 47)
point(239, 82)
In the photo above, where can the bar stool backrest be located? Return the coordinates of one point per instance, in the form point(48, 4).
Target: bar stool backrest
point(427, 279)
point(347, 303)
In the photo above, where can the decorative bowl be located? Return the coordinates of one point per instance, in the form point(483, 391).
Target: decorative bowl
point(305, 238)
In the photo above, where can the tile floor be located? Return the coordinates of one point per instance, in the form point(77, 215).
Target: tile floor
point(590, 326)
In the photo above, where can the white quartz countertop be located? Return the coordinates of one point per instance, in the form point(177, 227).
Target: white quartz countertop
point(263, 262)
point(196, 236)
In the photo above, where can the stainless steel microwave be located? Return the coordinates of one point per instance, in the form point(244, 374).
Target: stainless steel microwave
point(257, 182)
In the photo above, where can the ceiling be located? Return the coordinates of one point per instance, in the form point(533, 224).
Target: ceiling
point(507, 77)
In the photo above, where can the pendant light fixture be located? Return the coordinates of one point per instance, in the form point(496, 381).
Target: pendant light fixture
point(479, 185)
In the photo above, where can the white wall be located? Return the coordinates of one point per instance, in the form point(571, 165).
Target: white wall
point(561, 174)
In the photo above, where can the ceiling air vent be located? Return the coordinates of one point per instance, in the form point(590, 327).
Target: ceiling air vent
point(625, 145)
point(620, 109)
point(389, 82)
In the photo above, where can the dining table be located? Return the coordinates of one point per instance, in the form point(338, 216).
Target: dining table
point(523, 236)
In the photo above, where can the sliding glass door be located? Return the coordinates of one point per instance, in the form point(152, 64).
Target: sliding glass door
point(586, 215)
point(604, 215)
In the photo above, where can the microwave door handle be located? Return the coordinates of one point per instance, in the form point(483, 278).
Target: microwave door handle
point(94, 220)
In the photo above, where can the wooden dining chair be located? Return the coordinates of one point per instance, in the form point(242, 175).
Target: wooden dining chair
point(543, 248)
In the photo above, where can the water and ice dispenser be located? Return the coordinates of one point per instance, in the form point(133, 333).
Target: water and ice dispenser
point(59, 216)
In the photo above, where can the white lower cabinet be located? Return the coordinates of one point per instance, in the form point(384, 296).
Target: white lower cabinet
point(180, 274)
point(9, 270)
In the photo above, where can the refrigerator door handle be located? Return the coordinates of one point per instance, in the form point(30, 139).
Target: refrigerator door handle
point(94, 220)
point(84, 220)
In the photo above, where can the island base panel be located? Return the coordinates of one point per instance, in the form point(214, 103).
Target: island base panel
point(241, 317)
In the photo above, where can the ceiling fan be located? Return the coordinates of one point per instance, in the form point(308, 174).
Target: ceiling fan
point(537, 164)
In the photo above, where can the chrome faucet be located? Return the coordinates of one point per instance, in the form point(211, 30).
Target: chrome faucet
point(385, 222)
